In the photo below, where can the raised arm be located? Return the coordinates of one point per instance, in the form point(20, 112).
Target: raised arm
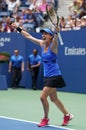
point(54, 46)
point(28, 35)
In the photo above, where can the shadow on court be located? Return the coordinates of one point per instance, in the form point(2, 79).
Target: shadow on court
point(14, 124)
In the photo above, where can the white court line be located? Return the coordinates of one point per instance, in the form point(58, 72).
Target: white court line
point(9, 118)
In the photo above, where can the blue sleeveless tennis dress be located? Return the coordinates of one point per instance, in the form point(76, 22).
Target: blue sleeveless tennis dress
point(52, 73)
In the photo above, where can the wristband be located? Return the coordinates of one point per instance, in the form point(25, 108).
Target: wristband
point(19, 29)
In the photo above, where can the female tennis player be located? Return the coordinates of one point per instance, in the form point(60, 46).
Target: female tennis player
point(52, 74)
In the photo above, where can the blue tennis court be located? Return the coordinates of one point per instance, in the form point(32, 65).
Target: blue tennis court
point(17, 124)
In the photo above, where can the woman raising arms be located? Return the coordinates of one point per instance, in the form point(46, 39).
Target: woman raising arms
point(52, 75)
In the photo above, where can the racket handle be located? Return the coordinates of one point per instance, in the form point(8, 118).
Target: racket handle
point(60, 39)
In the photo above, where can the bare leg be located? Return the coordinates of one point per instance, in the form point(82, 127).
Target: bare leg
point(54, 98)
point(45, 93)
point(52, 93)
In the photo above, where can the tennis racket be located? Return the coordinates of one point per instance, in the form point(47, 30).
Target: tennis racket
point(54, 18)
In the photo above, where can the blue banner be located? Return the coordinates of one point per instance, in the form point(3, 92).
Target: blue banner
point(71, 58)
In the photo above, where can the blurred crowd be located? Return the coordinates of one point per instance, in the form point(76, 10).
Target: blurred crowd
point(77, 16)
point(31, 15)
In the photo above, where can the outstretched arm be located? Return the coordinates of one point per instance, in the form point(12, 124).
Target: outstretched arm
point(28, 35)
point(54, 46)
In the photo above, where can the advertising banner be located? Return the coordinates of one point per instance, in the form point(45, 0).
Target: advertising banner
point(71, 58)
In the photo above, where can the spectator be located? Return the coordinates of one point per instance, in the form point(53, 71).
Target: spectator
point(74, 8)
point(13, 6)
point(33, 65)
point(7, 27)
point(16, 66)
point(83, 9)
point(62, 24)
point(80, 1)
point(3, 6)
point(1, 27)
point(77, 24)
point(30, 21)
point(23, 15)
point(36, 3)
point(42, 9)
point(39, 17)
point(83, 22)
point(70, 24)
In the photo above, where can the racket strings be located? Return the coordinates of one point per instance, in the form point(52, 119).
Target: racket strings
point(54, 19)
point(52, 14)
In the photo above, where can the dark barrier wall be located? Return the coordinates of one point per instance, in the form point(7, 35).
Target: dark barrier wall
point(71, 58)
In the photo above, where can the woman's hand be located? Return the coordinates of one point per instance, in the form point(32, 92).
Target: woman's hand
point(57, 29)
point(19, 29)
